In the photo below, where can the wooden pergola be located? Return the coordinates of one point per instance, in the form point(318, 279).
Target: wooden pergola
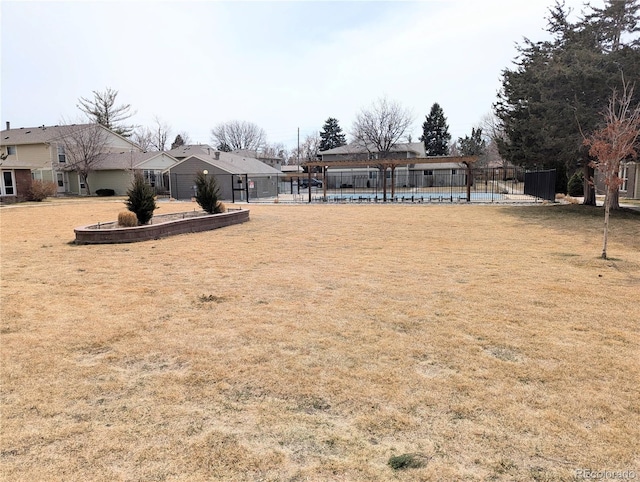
point(388, 163)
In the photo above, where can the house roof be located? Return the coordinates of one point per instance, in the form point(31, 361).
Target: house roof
point(227, 161)
point(359, 148)
point(127, 160)
point(440, 165)
point(191, 150)
point(44, 134)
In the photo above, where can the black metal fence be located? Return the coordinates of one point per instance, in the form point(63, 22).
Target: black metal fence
point(367, 186)
point(541, 184)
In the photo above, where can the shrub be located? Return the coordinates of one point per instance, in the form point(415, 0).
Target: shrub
point(207, 193)
point(41, 190)
point(127, 219)
point(105, 192)
point(222, 207)
point(142, 200)
point(576, 183)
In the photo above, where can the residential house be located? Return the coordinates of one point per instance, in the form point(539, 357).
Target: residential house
point(115, 171)
point(39, 153)
point(239, 177)
point(448, 172)
point(629, 174)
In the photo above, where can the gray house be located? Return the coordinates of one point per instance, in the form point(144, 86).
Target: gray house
point(239, 177)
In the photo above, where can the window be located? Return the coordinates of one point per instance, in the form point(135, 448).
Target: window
point(149, 177)
point(11, 150)
point(373, 174)
point(624, 176)
point(454, 172)
point(428, 172)
point(8, 183)
point(62, 157)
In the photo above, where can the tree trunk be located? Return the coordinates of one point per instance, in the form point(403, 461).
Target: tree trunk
point(615, 199)
point(84, 178)
point(589, 187)
point(607, 204)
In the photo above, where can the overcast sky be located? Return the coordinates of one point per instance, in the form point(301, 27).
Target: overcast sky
point(281, 65)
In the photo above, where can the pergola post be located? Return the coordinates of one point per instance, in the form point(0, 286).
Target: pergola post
point(468, 164)
point(384, 182)
point(324, 183)
point(393, 181)
point(389, 163)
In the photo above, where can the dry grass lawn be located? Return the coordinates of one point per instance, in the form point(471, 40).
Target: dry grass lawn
point(316, 342)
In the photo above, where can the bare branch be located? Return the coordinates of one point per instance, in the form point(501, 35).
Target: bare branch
point(83, 149)
point(102, 109)
point(614, 143)
point(382, 126)
point(236, 135)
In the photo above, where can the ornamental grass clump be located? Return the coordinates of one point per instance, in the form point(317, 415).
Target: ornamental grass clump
point(127, 219)
point(207, 193)
point(142, 200)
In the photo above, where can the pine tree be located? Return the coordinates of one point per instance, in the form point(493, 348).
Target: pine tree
point(554, 94)
point(474, 145)
point(142, 199)
point(207, 193)
point(331, 135)
point(435, 132)
point(177, 142)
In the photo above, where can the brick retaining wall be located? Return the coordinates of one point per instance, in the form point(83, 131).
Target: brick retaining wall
point(93, 235)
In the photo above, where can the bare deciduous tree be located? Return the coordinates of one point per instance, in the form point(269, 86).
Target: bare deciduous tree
point(613, 144)
point(143, 137)
point(310, 147)
point(154, 139)
point(103, 110)
point(236, 135)
point(378, 129)
point(84, 147)
point(382, 126)
point(275, 150)
point(161, 132)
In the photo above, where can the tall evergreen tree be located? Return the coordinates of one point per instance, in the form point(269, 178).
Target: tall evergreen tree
point(554, 95)
point(331, 135)
point(435, 132)
point(474, 145)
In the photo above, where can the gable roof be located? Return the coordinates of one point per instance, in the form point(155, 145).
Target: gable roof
point(128, 160)
point(228, 161)
point(191, 150)
point(45, 134)
point(359, 148)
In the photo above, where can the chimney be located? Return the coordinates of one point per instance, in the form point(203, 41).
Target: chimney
point(217, 154)
point(8, 125)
